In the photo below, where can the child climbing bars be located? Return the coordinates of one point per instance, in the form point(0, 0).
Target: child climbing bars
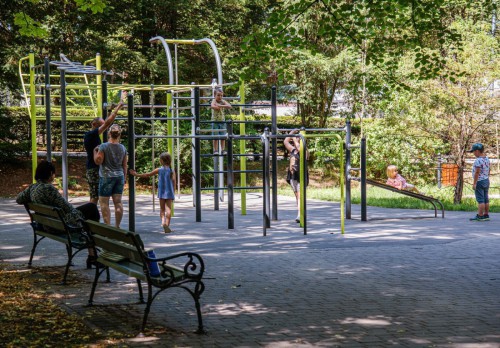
point(397, 181)
point(166, 188)
point(218, 106)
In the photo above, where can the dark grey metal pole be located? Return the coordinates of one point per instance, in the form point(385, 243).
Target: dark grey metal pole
point(230, 177)
point(306, 177)
point(47, 108)
point(131, 160)
point(266, 191)
point(197, 151)
point(347, 170)
point(363, 180)
point(274, 131)
point(264, 180)
point(64, 135)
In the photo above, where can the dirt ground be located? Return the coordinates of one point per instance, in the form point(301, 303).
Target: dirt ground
point(15, 177)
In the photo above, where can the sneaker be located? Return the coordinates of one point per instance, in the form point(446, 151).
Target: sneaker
point(166, 229)
point(297, 219)
point(477, 218)
point(224, 153)
point(216, 153)
point(486, 217)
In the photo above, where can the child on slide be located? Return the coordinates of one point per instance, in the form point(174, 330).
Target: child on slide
point(397, 181)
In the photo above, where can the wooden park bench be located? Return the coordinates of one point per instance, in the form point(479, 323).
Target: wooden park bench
point(48, 222)
point(124, 252)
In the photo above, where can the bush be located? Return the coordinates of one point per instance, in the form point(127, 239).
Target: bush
point(13, 130)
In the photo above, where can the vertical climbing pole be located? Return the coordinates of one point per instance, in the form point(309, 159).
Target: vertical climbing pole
point(243, 151)
point(303, 180)
point(46, 67)
point(274, 131)
point(348, 170)
point(197, 149)
point(131, 161)
point(267, 193)
point(64, 133)
point(230, 177)
point(363, 179)
point(34, 158)
point(99, 85)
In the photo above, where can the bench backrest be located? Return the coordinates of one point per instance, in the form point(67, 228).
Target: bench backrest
point(121, 242)
point(47, 216)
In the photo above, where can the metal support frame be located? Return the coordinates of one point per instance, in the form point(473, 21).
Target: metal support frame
point(347, 170)
point(274, 130)
point(230, 177)
point(64, 135)
point(46, 63)
point(363, 180)
point(196, 155)
point(131, 160)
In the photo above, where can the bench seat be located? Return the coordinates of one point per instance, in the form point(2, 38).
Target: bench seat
point(124, 252)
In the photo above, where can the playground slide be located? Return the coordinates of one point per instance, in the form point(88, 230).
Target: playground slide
point(420, 196)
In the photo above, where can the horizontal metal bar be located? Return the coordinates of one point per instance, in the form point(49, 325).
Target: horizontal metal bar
point(249, 187)
point(213, 171)
point(213, 137)
point(250, 122)
point(244, 105)
point(213, 188)
point(181, 108)
point(152, 106)
point(247, 154)
point(158, 118)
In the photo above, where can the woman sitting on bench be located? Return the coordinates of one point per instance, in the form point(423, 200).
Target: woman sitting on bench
point(44, 192)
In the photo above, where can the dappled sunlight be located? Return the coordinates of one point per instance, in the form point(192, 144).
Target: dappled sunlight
point(11, 247)
point(353, 270)
point(233, 309)
point(378, 320)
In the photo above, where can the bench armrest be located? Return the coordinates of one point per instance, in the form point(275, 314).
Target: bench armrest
point(193, 267)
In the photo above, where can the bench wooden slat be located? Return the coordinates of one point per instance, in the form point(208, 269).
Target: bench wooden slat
point(112, 232)
point(43, 209)
point(55, 224)
point(124, 252)
point(47, 222)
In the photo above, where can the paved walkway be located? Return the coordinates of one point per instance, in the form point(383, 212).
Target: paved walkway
point(404, 279)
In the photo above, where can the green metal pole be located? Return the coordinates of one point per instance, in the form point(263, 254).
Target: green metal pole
point(99, 85)
point(34, 157)
point(243, 161)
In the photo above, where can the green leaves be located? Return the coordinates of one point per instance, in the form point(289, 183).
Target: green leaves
point(96, 6)
point(28, 26)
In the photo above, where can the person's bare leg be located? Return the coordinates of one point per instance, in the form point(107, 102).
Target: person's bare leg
point(117, 201)
point(486, 208)
point(162, 212)
point(481, 209)
point(168, 211)
point(106, 213)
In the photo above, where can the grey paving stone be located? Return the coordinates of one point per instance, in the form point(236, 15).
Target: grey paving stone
point(398, 282)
